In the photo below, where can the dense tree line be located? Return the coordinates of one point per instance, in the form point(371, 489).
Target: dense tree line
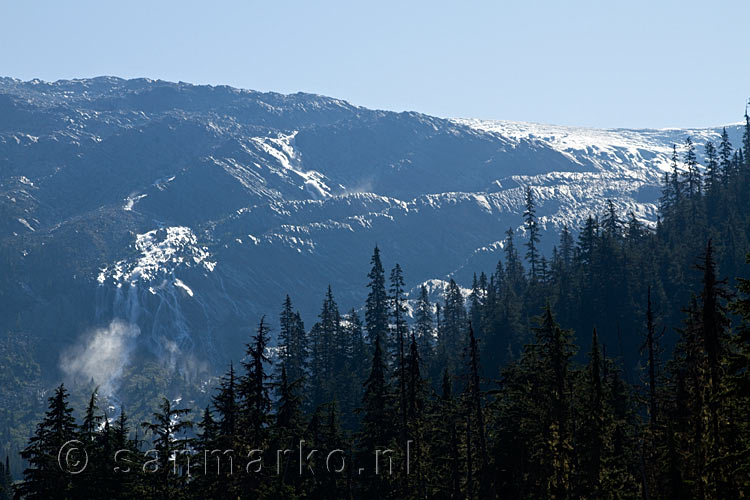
point(615, 368)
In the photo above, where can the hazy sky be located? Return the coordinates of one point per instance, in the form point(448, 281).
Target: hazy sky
point(609, 63)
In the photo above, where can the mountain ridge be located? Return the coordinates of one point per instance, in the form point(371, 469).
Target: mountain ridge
point(283, 193)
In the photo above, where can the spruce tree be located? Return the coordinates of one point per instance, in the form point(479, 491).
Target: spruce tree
point(225, 401)
point(376, 431)
point(92, 481)
point(725, 156)
point(288, 427)
point(667, 199)
point(253, 388)
point(451, 335)
point(676, 176)
point(376, 307)
point(170, 451)
point(611, 222)
point(590, 442)
point(532, 230)
point(43, 478)
point(713, 174)
point(398, 342)
point(328, 359)
point(293, 354)
point(513, 266)
point(738, 391)
point(417, 402)
point(473, 396)
point(692, 174)
point(205, 483)
point(653, 355)
point(424, 326)
point(228, 422)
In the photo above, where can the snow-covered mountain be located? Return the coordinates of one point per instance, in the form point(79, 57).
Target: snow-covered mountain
point(188, 211)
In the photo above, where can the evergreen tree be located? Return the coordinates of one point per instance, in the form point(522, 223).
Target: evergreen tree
point(376, 307)
point(713, 173)
point(220, 469)
point(676, 176)
point(667, 199)
point(376, 431)
point(167, 462)
point(590, 442)
point(293, 352)
point(91, 481)
point(204, 483)
point(473, 396)
point(253, 390)
point(738, 392)
point(725, 156)
point(328, 352)
point(513, 266)
point(398, 342)
point(424, 325)
point(452, 332)
point(611, 223)
point(746, 141)
point(417, 401)
point(692, 174)
point(353, 374)
point(43, 478)
point(653, 356)
point(532, 229)
point(533, 416)
point(587, 241)
point(288, 428)
point(226, 404)
point(443, 476)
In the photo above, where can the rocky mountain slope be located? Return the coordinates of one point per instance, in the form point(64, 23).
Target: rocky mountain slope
point(145, 217)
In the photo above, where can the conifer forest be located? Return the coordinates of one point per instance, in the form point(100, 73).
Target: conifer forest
point(616, 367)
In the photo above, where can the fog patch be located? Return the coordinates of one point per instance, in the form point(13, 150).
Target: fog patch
point(101, 355)
point(185, 364)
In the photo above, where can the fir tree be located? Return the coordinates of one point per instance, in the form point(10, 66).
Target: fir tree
point(513, 266)
point(476, 410)
point(424, 325)
point(532, 229)
point(253, 390)
point(692, 174)
point(611, 223)
point(713, 174)
point(226, 404)
point(398, 343)
point(653, 353)
point(376, 430)
point(328, 358)
point(676, 176)
point(43, 478)
point(168, 460)
point(293, 342)
point(725, 156)
point(376, 307)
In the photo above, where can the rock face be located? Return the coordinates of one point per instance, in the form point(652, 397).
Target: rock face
point(187, 212)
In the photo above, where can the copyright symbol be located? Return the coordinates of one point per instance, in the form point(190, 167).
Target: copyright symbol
point(72, 457)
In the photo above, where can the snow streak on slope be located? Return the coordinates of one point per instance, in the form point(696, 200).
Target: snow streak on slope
point(281, 148)
point(646, 150)
point(149, 298)
point(160, 251)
